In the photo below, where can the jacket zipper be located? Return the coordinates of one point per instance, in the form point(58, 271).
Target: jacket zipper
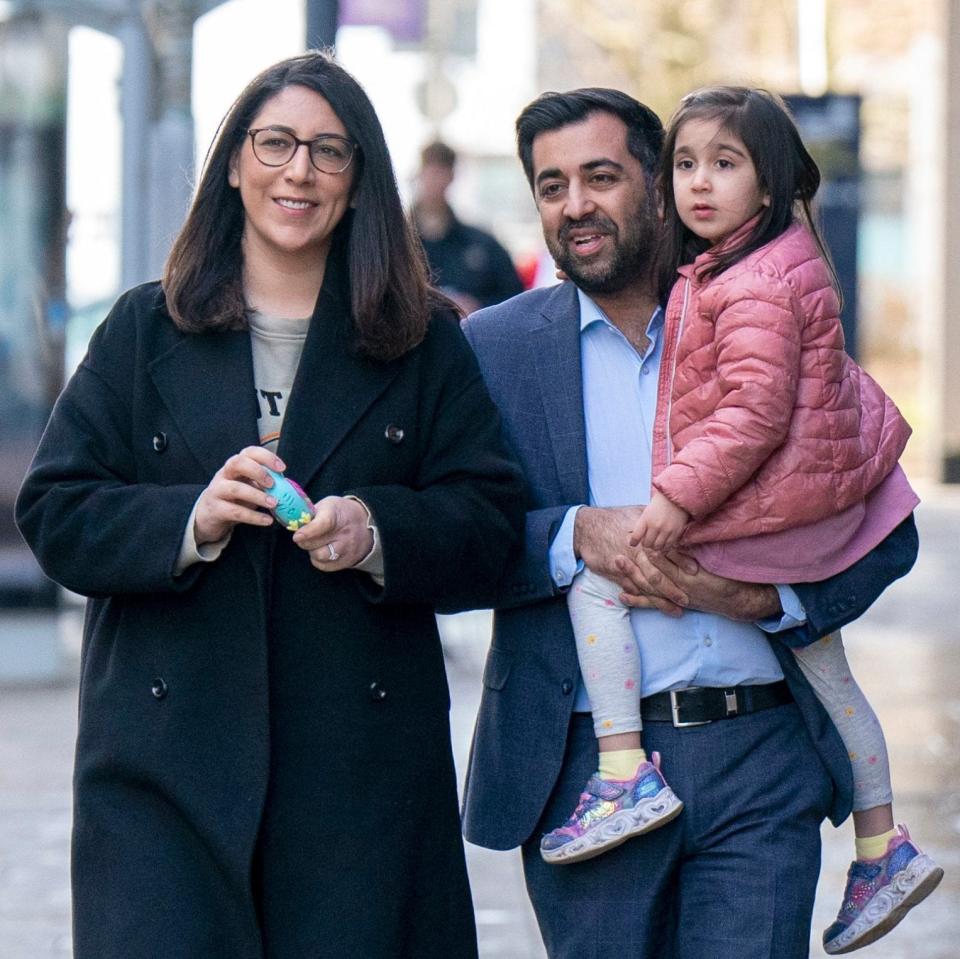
point(673, 369)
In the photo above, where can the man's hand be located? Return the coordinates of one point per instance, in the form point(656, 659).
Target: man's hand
point(600, 539)
point(670, 582)
point(707, 592)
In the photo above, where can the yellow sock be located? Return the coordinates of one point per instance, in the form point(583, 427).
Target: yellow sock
point(872, 847)
point(621, 763)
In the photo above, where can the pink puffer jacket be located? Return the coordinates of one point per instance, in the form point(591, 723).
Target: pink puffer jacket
point(763, 422)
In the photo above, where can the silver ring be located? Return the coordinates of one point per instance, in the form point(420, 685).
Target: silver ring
point(334, 555)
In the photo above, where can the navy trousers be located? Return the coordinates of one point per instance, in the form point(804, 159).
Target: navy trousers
point(732, 877)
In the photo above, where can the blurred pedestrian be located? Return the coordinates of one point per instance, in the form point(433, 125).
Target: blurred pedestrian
point(263, 767)
point(467, 263)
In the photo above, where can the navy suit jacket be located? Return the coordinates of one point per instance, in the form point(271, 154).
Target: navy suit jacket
point(529, 353)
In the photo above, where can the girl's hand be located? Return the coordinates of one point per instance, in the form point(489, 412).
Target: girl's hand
point(337, 537)
point(235, 495)
point(660, 525)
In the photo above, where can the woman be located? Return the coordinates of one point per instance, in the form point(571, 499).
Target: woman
point(263, 762)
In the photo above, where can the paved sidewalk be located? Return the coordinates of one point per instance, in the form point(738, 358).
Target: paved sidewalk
point(37, 727)
point(905, 652)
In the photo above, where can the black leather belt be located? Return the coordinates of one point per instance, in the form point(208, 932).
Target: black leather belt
point(697, 705)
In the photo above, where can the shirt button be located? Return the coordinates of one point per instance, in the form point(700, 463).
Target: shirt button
point(377, 693)
point(159, 688)
point(561, 577)
point(646, 370)
point(708, 642)
point(394, 433)
point(159, 442)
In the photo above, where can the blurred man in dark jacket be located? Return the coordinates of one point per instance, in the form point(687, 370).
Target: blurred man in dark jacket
point(467, 263)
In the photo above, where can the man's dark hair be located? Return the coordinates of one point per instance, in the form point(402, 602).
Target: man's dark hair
point(551, 111)
point(438, 153)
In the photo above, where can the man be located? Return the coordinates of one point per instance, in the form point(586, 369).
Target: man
point(469, 265)
point(756, 762)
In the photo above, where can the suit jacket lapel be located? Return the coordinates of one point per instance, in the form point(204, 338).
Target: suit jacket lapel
point(557, 352)
point(334, 385)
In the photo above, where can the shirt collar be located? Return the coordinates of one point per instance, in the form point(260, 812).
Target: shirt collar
point(590, 313)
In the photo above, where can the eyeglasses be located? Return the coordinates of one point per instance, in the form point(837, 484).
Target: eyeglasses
point(276, 146)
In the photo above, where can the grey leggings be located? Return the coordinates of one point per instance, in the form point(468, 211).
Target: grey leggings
point(611, 670)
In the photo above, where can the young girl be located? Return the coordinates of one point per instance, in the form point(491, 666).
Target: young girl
point(775, 461)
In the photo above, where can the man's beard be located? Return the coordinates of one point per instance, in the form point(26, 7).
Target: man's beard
point(630, 259)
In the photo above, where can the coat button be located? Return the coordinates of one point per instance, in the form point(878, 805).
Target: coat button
point(159, 688)
point(159, 442)
point(394, 433)
point(377, 693)
point(566, 687)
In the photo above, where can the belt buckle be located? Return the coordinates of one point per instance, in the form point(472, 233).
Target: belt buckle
point(730, 701)
point(675, 710)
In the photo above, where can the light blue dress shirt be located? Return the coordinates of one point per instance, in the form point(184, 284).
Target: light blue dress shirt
point(620, 400)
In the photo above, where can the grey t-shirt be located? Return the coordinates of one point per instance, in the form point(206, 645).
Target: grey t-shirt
point(276, 344)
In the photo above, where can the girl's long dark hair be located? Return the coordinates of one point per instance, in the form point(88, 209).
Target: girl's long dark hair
point(785, 171)
point(203, 276)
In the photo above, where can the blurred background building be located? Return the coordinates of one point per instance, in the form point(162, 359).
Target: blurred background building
point(107, 108)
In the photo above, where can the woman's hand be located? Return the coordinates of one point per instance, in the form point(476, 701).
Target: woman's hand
point(338, 536)
point(235, 495)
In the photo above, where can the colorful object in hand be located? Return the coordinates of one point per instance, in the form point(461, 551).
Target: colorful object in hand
point(293, 508)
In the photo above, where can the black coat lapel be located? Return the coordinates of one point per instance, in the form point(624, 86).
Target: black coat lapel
point(206, 382)
point(334, 385)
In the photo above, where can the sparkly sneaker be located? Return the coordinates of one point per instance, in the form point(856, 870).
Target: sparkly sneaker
point(880, 892)
point(609, 812)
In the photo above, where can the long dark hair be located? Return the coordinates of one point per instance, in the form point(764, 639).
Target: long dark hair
point(785, 171)
point(203, 276)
